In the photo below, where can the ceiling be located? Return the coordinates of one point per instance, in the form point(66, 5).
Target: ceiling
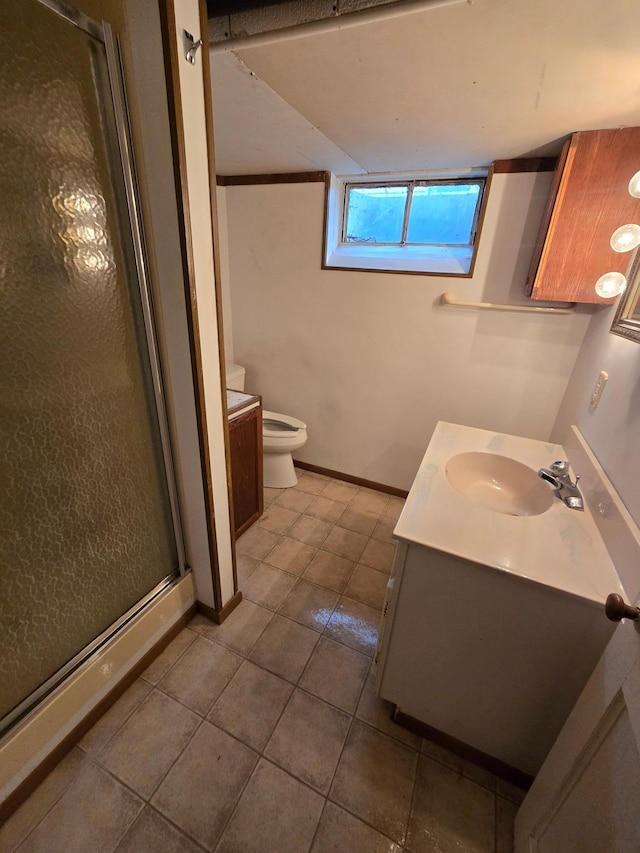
point(448, 87)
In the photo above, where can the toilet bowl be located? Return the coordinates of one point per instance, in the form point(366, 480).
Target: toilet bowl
point(281, 436)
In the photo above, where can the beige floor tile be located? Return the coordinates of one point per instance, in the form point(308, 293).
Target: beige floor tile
point(355, 624)
point(329, 570)
point(203, 786)
point(269, 495)
point(166, 659)
point(336, 490)
point(251, 705)
point(394, 508)
point(310, 530)
point(374, 780)
point(245, 567)
point(102, 732)
point(276, 814)
point(268, 586)
point(201, 675)
point(240, 630)
point(313, 484)
point(284, 648)
point(308, 740)
point(450, 812)
point(339, 831)
point(326, 509)
point(368, 586)
point(291, 556)
point(336, 674)
point(383, 531)
point(151, 833)
point(278, 518)
point(460, 765)
point(358, 520)
point(294, 499)
point(377, 712)
point(379, 555)
point(345, 543)
point(144, 749)
point(310, 604)
point(257, 542)
point(93, 814)
point(48, 792)
point(505, 816)
point(370, 501)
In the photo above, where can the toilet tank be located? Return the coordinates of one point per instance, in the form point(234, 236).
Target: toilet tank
point(235, 377)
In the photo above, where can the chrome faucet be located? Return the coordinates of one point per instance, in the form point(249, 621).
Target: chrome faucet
point(560, 478)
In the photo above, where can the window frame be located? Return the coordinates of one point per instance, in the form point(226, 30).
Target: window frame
point(440, 259)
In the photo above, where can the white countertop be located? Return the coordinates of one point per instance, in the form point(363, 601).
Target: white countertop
point(560, 548)
point(238, 403)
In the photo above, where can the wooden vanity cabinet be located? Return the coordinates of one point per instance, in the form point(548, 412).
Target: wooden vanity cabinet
point(245, 445)
point(589, 199)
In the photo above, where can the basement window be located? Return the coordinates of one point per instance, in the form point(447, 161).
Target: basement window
point(425, 223)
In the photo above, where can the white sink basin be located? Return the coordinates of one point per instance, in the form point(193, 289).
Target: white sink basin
point(499, 483)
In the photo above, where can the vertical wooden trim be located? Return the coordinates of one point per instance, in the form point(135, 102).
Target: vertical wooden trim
point(218, 616)
point(171, 59)
point(325, 220)
point(539, 250)
point(208, 112)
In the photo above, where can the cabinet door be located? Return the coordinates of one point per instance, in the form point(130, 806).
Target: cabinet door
point(590, 200)
point(245, 440)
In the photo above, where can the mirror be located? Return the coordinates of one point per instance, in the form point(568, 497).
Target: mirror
point(627, 320)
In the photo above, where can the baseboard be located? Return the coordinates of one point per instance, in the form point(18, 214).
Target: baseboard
point(31, 782)
point(218, 616)
point(349, 478)
point(470, 753)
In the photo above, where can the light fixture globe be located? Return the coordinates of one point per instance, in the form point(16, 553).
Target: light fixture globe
point(634, 185)
point(625, 238)
point(610, 284)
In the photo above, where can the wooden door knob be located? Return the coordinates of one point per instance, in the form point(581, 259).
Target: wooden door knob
point(616, 609)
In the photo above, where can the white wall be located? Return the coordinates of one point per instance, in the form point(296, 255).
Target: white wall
point(613, 429)
point(371, 361)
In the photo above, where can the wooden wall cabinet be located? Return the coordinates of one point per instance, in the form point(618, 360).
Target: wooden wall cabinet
point(589, 199)
point(245, 445)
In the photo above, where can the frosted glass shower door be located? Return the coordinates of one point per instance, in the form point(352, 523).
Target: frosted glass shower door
point(88, 521)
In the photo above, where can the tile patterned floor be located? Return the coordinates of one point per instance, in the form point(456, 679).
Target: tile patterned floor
point(265, 733)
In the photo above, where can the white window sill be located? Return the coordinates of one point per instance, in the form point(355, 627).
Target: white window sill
point(437, 260)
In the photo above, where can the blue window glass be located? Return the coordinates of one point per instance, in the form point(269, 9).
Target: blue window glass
point(443, 213)
point(375, 214)
point(413, 213)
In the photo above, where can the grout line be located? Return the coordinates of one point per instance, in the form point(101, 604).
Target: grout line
point(413, 795)
point(164, 817)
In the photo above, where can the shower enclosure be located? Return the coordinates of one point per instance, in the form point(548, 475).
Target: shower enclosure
point(89, 527)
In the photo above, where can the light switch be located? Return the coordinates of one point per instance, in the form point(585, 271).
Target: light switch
point(598, 389)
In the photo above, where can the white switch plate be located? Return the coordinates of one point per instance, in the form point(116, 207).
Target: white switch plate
point(598, 388)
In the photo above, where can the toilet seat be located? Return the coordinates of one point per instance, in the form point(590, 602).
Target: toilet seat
point(277, 426)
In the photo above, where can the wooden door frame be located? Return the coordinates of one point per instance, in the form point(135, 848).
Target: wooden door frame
point(220, 611)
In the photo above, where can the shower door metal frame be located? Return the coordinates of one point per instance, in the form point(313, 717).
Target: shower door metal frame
point(103, 33)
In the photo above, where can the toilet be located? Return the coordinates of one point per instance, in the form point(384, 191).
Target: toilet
point(281, 436)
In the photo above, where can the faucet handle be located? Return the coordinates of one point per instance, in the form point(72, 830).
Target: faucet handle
point(560, 466)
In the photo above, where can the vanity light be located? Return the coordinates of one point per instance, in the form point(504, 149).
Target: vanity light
point(625, 238)
point(610, 284)
point(634, 185)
